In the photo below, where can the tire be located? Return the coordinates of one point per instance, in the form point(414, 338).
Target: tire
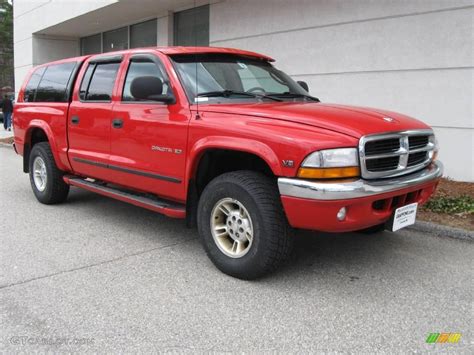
point(270, 242)
point(374, 229)
point(54, 189)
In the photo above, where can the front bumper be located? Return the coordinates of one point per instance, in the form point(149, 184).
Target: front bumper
point(314, 205)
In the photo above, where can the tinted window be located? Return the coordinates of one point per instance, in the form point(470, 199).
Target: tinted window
point(116, 40)
point(30, 90)
point(91, 44)
point(191, 27)
point(102, 81)
point(85, 81)
point(143, 34)
point(54, 83)
point(137, 69)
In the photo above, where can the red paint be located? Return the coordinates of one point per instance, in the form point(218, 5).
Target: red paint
point(274, 131)
point(321, 215)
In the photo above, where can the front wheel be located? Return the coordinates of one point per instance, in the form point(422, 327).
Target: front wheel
point(45, 177)
point(242, 224)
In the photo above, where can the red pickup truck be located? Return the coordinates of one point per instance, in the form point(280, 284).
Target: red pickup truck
point(221, 138)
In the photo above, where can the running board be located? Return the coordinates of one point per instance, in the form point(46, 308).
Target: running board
point(168, 208)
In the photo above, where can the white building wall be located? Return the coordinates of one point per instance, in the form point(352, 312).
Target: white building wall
point(414, 57)
point(31, 16)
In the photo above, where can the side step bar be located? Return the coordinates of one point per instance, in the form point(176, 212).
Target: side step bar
point(168, 208)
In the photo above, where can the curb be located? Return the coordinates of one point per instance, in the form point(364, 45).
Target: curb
point(442, 231)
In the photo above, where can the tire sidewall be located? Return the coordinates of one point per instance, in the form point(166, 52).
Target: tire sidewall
point(248, 263)
point(44, 195)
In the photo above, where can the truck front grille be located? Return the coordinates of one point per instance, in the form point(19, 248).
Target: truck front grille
point(394, 154)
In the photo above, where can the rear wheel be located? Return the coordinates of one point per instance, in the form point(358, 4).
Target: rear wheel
point(242, 224)
point(45, 177)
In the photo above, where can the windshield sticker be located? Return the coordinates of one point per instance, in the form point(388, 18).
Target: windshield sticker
point(201, 99)
point(242, 65)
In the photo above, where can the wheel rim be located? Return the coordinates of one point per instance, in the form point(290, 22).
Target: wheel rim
point(231, 228)
point(40, 176)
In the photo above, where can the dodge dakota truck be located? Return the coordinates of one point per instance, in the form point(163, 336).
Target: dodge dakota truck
point(223, 139)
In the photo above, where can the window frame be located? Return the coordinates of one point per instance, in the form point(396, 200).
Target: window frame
point(95, 61)
point(147, 57)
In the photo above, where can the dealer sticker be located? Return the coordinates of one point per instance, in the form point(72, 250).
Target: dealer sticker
point(404, 216)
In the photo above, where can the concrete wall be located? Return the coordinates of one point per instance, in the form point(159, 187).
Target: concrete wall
point(30, 17)
point(415, 57)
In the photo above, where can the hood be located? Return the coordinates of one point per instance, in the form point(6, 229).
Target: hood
point(350, 120)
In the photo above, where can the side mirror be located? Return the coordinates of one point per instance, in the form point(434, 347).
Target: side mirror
point(149, 88)
point(304, 85)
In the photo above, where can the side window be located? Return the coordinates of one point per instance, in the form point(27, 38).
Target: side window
point(98, 82)
point(144, 68)
point(53, 86)
point(30, 89)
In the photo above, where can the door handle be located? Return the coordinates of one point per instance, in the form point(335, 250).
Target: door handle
point(75, 119)
point(117, 123)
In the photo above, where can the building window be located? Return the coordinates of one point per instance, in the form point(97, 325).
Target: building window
point(143, 34)
point(91, 44)
point(191, 27)
point(115, 40)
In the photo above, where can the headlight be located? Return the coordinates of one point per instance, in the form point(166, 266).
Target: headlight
point(330, 164)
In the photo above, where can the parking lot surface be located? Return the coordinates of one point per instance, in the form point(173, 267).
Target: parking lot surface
point(95, 274)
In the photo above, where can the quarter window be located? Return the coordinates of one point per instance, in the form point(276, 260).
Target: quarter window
point(98, 82)
point(53, 86)
point(30, 90)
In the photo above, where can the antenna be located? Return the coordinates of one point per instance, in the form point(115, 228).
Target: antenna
point(196, 99)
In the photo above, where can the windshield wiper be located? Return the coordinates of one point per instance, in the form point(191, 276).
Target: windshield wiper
point(228, 93)
point(295, 95)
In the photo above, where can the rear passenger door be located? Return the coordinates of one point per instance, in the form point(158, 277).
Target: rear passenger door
point(90, 116)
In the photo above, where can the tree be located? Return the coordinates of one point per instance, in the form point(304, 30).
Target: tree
point(6, 44)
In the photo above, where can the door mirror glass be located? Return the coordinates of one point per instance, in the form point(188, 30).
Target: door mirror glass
point(304, 85)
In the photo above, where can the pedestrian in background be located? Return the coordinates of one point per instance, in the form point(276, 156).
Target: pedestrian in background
point(7, 108)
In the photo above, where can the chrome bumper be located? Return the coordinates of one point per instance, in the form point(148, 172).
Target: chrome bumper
point(356, 189)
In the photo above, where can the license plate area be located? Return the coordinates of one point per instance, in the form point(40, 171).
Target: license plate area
point(403, 217)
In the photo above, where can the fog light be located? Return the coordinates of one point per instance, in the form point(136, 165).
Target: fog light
point(341, 215)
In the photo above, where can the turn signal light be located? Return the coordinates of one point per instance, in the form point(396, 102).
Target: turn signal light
point(329, 173)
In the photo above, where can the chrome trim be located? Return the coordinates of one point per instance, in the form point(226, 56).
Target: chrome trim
point(403, 153)
point(315, 190)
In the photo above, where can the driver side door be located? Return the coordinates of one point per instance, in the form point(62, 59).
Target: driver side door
point(148, 137)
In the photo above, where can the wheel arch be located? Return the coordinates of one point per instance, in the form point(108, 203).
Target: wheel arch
point(212, 156)
point(38, 131)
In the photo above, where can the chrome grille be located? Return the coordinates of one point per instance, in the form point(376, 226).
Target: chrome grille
point(394, 154)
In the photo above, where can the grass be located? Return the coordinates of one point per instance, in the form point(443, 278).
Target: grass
point(450, 205)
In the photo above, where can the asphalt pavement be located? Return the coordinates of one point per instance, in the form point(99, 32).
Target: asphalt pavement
point(98, 275)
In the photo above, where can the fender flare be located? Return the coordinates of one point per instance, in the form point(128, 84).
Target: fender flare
point(257, 148)
point(35, 123)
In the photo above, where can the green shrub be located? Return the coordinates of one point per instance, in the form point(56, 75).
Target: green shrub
point(450, 204)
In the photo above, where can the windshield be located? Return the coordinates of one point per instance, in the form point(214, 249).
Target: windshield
point(224, 78)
